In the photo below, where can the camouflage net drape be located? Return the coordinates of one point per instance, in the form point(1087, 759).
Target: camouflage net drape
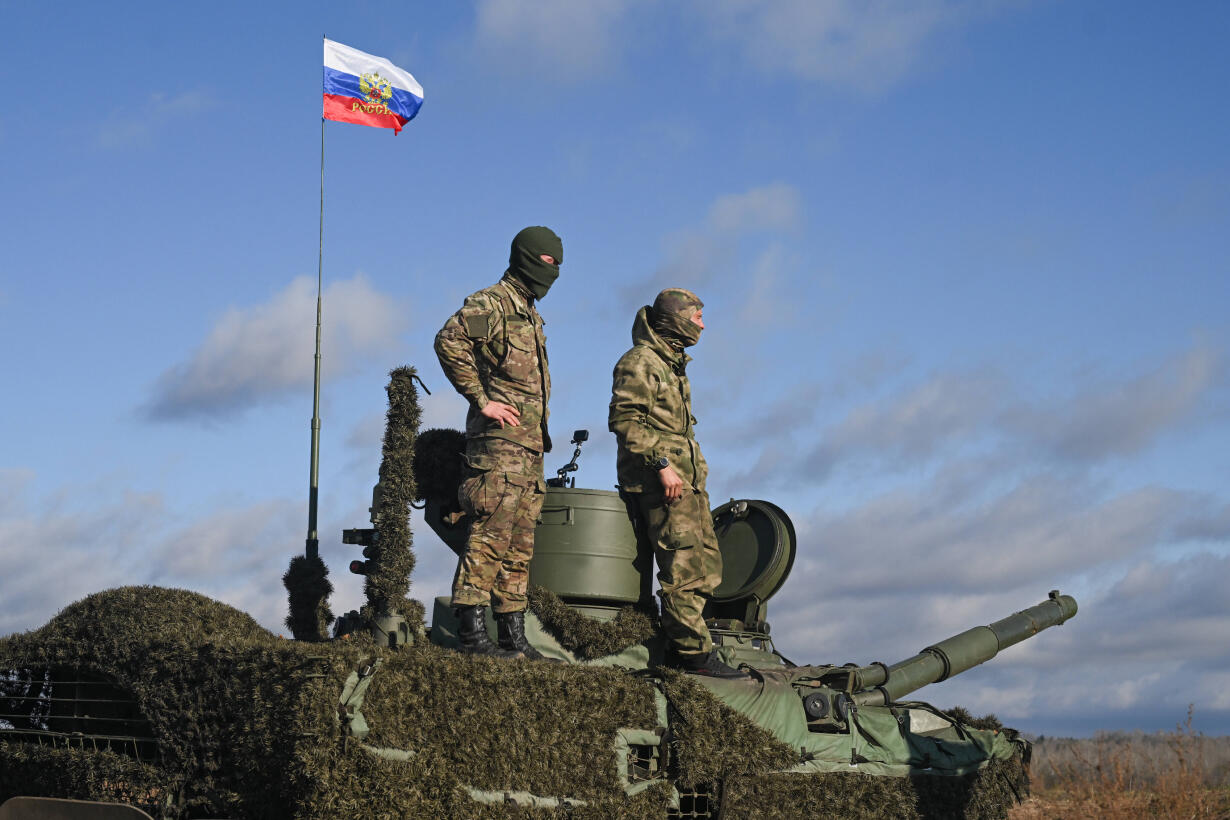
point(437, 463)
point(308, 590)
point(392, 559)
point(586, 637)
point(246, 726)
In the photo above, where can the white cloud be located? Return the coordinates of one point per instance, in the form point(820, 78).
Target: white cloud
point(1038, 529)
point(443, 408)
point(368, 433)
point(552, 34)
point(59, 552)
point(259, 354)
point(230, 542)
point(236, 555)
point(922, 418)
point(863, 44)
point(945, 415)
point(763, 304)
point(694, 256)
point(60, 547)
point(707, 253)
point(1112, 418)
point(13, 483)
point(126, 127)
point(860, 44)
point(767, 208)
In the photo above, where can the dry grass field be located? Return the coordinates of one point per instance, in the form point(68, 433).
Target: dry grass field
point(1179, 775)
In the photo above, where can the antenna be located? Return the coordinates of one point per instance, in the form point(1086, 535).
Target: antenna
point(312, 548)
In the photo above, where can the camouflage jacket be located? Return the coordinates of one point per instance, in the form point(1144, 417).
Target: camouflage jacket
point(651, 412)
point(494, 349)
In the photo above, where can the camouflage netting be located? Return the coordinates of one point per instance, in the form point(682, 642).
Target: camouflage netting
point(308, 590)
point(392, 560)
point(544, 728)
point(245, 722)
point(962, 715)
point(986, 794)
point(586, 637)
point(37, 771)
point(437, 463)
point(246, 726)
point(373, 787)
point(233, 708)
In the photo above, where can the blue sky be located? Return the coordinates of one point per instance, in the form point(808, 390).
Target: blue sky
point(966, 267)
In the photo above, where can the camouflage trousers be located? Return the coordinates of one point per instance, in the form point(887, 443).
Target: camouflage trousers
point(689, 564)
point(501, 492)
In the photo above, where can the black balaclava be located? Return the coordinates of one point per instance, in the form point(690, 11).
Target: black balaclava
point(671, 316)
point(525, 264)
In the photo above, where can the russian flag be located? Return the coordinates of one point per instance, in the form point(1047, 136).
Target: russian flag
point(368, 90)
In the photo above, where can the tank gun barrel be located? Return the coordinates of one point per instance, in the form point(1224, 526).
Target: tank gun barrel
point(878, 684)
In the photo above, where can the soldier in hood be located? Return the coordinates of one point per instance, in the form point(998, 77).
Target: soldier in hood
point(662, 472)
point(493, 350)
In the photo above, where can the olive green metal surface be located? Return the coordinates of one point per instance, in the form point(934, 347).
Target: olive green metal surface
point(758, 547)
point(51, 808)
point(959, 653)
point(585, 547)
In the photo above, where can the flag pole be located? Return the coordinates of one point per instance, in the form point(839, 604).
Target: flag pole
point(313, 541)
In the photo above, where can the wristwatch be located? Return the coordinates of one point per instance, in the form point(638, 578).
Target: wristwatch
point(661, 463)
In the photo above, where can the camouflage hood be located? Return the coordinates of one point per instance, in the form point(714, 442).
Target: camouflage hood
point(671, 316)
point(644, 334)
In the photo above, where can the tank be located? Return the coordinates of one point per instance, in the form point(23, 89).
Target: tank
point(587, 555)
point(143, 701)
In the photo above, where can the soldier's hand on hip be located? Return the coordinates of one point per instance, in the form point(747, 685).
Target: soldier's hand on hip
point(503, 413)
point(672, 484)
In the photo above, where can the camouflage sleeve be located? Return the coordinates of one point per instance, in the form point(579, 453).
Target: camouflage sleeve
point(457, 345)
point(633, 386)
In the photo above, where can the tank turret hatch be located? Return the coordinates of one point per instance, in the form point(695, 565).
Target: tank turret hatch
point(758, 545)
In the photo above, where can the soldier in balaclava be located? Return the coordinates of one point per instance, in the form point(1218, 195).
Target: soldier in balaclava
point(494, 352)
point(662, 472)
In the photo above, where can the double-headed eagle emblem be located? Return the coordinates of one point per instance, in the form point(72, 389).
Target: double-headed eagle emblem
point(375, 88)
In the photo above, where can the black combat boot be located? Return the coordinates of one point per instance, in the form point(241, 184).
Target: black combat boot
point(473, 633)
point(709, 665)
point(510, 628)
